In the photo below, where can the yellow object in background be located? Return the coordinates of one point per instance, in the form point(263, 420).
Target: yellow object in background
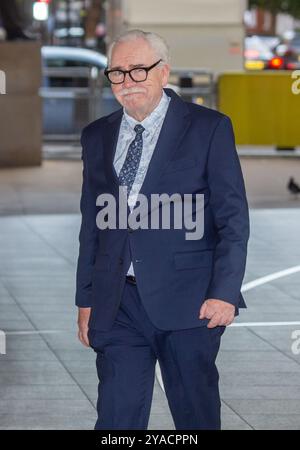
point(262, 106)
point(254, 65)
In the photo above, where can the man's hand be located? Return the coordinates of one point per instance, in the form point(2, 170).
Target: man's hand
point(218, 311)
point(83, 319)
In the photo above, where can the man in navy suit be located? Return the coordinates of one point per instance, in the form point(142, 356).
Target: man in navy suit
point(150, 294)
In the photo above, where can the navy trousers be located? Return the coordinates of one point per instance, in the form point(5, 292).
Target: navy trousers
point(126, 358)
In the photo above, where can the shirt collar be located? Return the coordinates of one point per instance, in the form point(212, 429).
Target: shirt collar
point(150, 121)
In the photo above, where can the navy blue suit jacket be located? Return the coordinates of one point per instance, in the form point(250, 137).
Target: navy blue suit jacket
point(195, 153)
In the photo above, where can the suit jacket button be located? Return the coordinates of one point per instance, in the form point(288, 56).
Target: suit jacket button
point(121, 260)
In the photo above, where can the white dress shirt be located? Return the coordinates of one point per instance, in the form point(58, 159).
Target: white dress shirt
point(152, 125)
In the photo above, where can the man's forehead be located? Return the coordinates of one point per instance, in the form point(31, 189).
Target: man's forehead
point(132, 53)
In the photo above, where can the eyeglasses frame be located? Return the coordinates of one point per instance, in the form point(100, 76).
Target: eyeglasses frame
point(147, 69)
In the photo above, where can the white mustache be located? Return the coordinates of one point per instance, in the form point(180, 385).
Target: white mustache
point(133, 90)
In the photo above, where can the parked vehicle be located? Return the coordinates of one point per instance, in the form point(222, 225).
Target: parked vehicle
point(289, 52)
point(259, 54)
point(71, 90)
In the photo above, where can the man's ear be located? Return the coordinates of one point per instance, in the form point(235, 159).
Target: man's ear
point(165, 73)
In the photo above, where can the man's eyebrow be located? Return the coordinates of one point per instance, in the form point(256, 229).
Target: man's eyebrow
point(131, 66)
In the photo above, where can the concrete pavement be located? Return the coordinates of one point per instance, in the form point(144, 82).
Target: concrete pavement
point(54, 187)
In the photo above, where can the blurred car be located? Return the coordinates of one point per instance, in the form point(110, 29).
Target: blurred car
point(68, 73)
point(259, 54)
point(289, 52)
point(59, 56)
point(270, 41)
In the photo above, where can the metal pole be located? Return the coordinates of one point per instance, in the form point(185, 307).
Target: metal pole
point(68, 22)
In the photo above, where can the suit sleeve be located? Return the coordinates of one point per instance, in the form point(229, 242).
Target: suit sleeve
point(230, 212)
point(88, 236)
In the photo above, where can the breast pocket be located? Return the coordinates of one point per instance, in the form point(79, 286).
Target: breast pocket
point(180, 164)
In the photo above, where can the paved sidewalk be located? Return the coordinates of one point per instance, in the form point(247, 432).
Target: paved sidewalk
point(54, 187)
point(48, 380)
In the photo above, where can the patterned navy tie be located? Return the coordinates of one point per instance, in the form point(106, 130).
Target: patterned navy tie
point(130, 167)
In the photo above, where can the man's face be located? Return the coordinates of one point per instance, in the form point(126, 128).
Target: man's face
point(138, 98)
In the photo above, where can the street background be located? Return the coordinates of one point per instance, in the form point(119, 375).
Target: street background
point(236, 56)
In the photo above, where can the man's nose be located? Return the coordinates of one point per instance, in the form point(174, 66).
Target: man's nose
point(128, 82)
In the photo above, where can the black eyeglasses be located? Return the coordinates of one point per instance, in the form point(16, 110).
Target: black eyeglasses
point(137, 74)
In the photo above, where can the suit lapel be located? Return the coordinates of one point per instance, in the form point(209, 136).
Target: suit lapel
point(172, 132)
point(110, 139)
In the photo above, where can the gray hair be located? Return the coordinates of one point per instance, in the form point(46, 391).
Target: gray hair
point(156, 42)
